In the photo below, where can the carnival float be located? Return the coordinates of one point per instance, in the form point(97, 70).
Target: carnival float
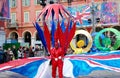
point(98, 54)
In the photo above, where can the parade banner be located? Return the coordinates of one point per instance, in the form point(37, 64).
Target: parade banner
point(81, 14)
point(109, 13)
point(4, 9)
point(106, 11)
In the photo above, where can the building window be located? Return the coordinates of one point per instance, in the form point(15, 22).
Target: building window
point(13, 3)
point(25, 2)
point(37, 13)
point(13, 17)
point(36, 2)
point(26, 17)
point(64, 0)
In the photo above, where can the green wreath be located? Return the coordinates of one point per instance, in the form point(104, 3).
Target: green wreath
point(107, 41)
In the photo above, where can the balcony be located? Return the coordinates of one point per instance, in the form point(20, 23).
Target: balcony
point(12, 25)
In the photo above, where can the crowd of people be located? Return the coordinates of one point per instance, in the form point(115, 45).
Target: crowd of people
point(12, 53)
point(22, 52)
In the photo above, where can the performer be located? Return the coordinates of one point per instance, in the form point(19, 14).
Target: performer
point(57, 55)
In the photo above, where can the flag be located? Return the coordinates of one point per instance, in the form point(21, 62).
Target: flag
point(82, 16)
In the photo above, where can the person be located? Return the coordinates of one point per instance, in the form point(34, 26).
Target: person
point(1, 48)
point(20, 53)
point(1, 55)
point(31, 53)
point(36, 50)
point(24, 52)
point(57, 56)
point(15, 52)
point(10, 54)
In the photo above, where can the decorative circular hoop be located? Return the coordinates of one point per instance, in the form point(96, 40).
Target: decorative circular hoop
point(87, 34)
point(114, 47)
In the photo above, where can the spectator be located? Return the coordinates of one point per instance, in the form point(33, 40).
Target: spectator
point(33, 49)
point(20, 53)
point(1, 48)
point(1, 56)
point(6, 56)
point(15, 52)
point(10, 54)
point(31, 53)
point(36, 50)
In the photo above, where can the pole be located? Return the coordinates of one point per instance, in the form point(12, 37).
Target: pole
point(93, 16)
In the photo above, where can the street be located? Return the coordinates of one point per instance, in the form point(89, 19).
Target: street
point(94, 74)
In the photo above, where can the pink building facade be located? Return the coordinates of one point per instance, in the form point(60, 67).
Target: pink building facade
point(23, 13)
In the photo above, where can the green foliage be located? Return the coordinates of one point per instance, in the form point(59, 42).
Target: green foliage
point(9, 45)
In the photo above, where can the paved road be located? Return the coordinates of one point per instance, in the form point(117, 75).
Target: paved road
point(94, 74)
point(103, 74)
point(8, 74)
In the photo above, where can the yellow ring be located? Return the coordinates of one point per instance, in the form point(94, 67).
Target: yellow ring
point(87, 34)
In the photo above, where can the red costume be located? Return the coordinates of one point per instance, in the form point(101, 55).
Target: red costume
point(57, 55)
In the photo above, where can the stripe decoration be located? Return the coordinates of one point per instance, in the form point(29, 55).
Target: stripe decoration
point(53, 33)
point(56, 10)
point(47, 36)
point(69, 34)
point(48, 39)
point(63, 26)
point(66, 36)
point(40, 34)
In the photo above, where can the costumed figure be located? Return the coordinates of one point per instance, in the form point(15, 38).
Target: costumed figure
point(57, 52)
point(59, 48)
point(79, 50)
point(57, 55)
point(64, 34)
